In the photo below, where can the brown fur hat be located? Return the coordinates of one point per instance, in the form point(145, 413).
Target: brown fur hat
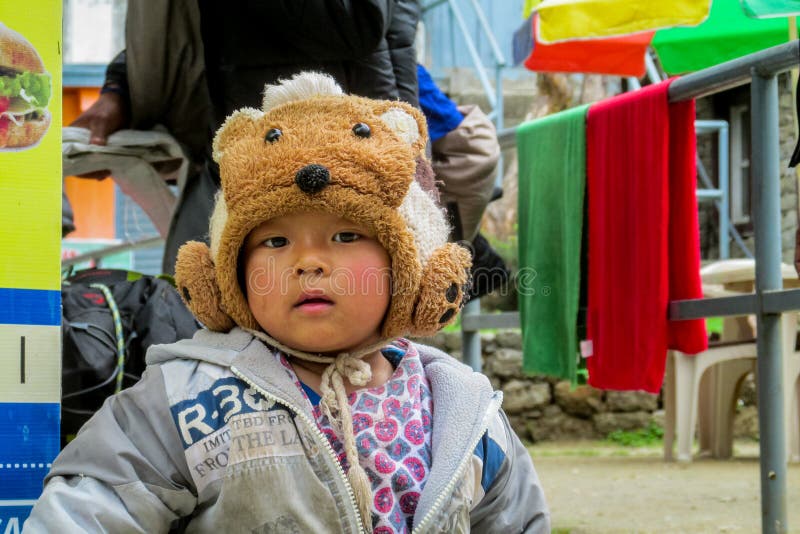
point(312, 148)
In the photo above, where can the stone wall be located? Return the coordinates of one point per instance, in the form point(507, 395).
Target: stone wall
point(547, 409)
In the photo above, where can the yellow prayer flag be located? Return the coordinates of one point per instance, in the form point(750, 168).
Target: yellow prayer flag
point(563, 20)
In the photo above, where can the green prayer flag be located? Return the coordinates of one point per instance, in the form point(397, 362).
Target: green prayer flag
point(761, 9)
point(727, 34)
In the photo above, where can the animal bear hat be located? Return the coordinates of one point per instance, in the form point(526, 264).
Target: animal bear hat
point(313, 149)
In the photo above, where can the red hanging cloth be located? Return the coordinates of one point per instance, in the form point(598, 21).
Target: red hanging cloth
point(644, 244)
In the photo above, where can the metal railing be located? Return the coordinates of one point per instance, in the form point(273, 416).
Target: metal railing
point(96, 256)
point(770, 299)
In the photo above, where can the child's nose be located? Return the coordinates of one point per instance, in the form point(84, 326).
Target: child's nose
point(311, 262)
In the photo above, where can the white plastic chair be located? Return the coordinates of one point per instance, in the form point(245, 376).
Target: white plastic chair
point(707, 383)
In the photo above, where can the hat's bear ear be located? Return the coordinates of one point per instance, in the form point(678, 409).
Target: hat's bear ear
point(444, 289)
point(196, 279)
point(241, 125)
point(406, 121)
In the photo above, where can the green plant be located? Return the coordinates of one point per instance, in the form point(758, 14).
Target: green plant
point(455, 326)
point(650, 435)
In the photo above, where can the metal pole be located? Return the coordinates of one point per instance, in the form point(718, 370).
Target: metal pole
point(499, 122)
point(767, 214)
point(723, 207)
point(471, 339)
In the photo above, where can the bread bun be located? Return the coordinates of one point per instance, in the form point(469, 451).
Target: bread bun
point(17, 53)
point(25, 134)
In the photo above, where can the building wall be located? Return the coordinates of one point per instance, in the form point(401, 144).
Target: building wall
point(445, 45)
point(718, 107)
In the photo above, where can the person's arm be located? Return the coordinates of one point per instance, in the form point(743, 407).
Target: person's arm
point(111, 111)
point(124, 472)
point(514, 499)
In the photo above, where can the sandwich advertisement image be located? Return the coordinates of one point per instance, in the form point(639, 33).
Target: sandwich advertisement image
point(25, 88)
point(30, 252)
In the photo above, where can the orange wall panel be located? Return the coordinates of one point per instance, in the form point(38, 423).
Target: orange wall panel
point(92, 200)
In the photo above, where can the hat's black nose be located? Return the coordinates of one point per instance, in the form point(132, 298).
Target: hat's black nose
point(312, 178)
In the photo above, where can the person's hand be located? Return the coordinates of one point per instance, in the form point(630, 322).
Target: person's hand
point(108, 114)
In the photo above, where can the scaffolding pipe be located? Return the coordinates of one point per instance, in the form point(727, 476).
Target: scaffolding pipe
point(473, 53)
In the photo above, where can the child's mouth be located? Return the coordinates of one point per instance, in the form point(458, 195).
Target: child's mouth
point(313, 303)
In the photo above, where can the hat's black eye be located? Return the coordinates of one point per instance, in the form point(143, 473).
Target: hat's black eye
point(361, 130)
point(273, 134)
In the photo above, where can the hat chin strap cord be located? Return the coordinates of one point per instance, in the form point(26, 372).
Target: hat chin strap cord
point(334, 406)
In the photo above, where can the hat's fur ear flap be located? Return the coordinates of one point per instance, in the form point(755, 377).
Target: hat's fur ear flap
point(443, 289)
point(407, 122)
point(241, 124)
point(195, 276)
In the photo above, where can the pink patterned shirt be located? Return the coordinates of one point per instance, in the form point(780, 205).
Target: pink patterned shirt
point(392, 425)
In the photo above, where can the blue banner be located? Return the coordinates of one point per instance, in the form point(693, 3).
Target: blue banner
point(29, 441)
point(30, 306)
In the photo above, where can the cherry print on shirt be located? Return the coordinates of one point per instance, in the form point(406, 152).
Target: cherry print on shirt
point(398, 449)
point(396, 388)
point(424, 454)
point(384, 500)
point(415, 467)
point(386, 423)
point(427, 420)
point(361, 422)
point(384, 464)
point(365, 445)
point(414, 432)
point(374, 478)
point(394, 408)
point(401, 480)
point(396, 519)
point(408, 502)
point(386, 430)
point(413, 384)
point(368, 403)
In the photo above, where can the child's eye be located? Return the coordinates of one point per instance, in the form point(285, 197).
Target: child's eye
point(346, 237)
point(275, 242)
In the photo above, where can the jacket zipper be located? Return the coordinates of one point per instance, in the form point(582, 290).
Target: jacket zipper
point(319, 435)
point(461, 468)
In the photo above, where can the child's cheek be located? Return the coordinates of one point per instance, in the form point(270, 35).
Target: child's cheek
point(361, 278)
point(260, 278)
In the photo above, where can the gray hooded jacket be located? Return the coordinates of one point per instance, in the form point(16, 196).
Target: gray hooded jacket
point(217, 438)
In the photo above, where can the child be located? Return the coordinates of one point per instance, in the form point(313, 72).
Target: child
point(300, 408)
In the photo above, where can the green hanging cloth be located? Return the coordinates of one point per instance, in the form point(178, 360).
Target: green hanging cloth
point(552, 179)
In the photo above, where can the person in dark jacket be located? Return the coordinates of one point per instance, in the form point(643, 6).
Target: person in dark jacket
point(217, 59)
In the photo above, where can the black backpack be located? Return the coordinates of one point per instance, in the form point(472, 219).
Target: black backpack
point(109, 319)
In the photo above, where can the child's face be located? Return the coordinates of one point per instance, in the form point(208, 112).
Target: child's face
point(317, 282)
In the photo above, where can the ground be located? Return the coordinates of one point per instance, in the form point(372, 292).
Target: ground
point(596, 487)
